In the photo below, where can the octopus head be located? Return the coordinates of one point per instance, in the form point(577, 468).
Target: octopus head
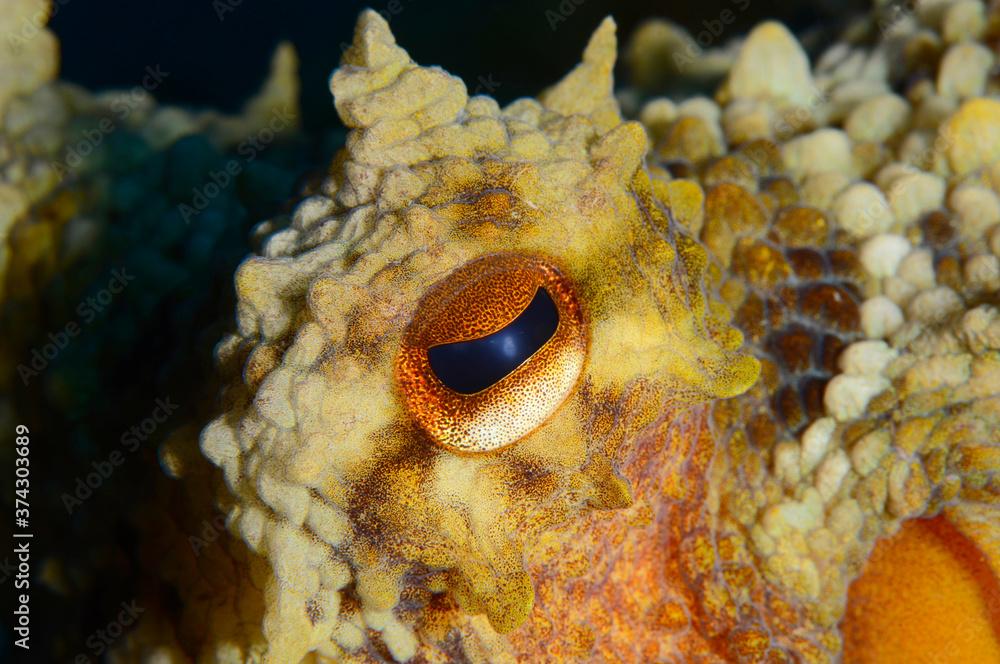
point(442, 355)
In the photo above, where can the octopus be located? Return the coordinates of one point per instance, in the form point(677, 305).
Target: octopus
point(545, 383)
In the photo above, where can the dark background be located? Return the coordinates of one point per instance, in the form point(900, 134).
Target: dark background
point(220, 62)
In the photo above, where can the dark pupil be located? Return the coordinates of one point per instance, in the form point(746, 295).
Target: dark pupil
point(471, 366)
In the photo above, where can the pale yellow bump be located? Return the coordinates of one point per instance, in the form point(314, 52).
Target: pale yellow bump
point(311, 210)
point(457, 481)
point(252, 524)
point(796, 573)
point(429, 96)
point(846, 396)
point(378, 588)
point(378, 619)
point(273, 400)
point(914, 194)
point(831, 474)
point(448, 104)
point(819, 189)
point(880, 317)
point(384, 143)
point(450, 140)
point(218, 443)
point(530, 145)
point(252, 432)
point(822, 151)
point(334, 573)
point(985, 380)
point(964, 19)
point(562, 174)
point(399, 186)
point(289, 500)
point(309, 343)
point(823, 545)
point(980, 328)
point(349, 636)
point(908, 489)
point(401, 641)
point(878, 118)
point(867, 357)
point(656, 116)
point(939, 371)
point(862, 210)
point(488, 133)
point(935, 305)
point(620, 152)
point(977, 208)
point(746, 120)
point(308, 463)
point(686, 201)
point(330, 524)
point(771, 65)
point(786, 463)
point(881, 254)
point(482, 106)
point(845, 519)
point(964, 70)
point(872, 491)
point(815, 442)
point(917, 268)
point(285, 623)
point(982, 273)
point(358, 188)
point(308, 392)
point(290, 552)
point(525, 110)
point(971, 136)
point(802, 516)
point(868, 451)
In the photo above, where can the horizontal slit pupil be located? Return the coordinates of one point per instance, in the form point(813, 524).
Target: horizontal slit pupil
point(471, 366)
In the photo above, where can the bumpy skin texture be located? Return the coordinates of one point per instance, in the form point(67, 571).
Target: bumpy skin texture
point(355, 509)
point(748, 487)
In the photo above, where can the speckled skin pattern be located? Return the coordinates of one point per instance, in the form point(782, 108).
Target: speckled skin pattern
point(789, 302)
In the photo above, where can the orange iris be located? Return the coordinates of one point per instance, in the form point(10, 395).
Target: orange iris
point(476, 300)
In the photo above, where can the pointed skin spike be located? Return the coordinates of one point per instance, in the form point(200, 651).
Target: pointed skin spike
point(588, 88)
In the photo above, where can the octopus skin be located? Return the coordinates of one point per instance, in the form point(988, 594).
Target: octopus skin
point(773, 395)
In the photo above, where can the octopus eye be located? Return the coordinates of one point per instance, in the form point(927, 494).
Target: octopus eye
point(471, 366)
point(493, 351)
